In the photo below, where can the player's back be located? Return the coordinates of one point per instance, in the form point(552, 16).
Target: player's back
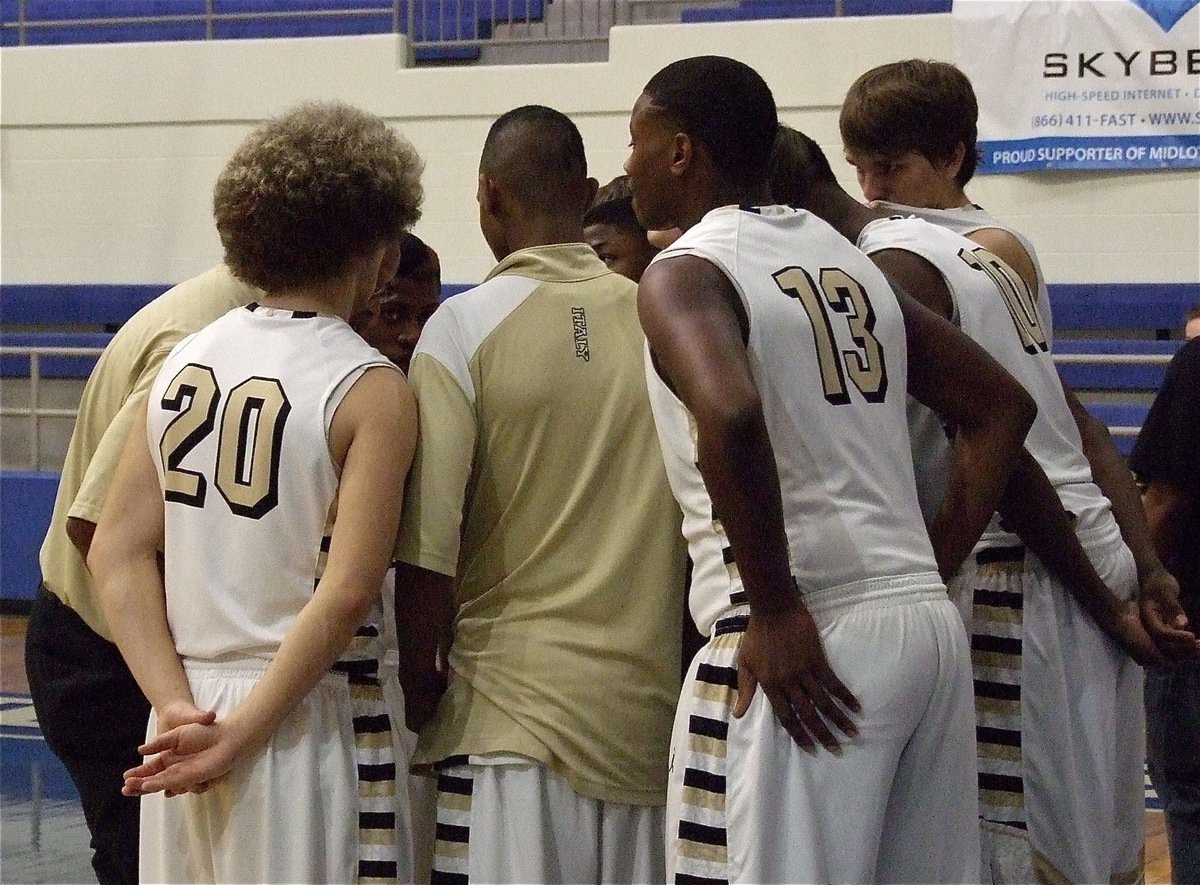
point(237, 423)
point(994, 307)
point(827, 349)
point(969, 219)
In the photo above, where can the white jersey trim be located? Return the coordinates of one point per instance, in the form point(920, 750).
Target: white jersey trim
point(459, 327)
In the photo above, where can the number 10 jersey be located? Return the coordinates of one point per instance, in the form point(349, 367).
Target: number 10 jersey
point(827, 350)
point(237, 424)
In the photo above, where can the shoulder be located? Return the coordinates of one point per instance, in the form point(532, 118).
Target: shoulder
point(681, 273)
point(460, 325)
point(909, 269)
point(998, 240)
point(380, 395)
point(1006, 246)
point(186, 308)
point(194, 303)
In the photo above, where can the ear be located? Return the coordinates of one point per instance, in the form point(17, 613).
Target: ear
point(955, 161)
point(592, 185)
point(683, 153)
point(488, 196)
point(389, 263)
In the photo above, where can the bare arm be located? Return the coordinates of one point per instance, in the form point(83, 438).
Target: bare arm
point(1108, 470)
point(1114, 478)
point(950, 372)
point(1166, 508)
point(992, 413)
point(1034, 511)
point(918, 278)
point(689, 312)
point(425, 612)
point(1030, 503)
point(373, 434)
point(123, 559)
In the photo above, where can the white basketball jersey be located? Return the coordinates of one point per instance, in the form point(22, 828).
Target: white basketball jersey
point(994, 307)
point(827, 351)
point(237, 423)
point(969, 219)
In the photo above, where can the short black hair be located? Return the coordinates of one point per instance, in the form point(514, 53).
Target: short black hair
point(725, 106)
point(417, 259)
point(539, 154)
point(797, 165)
point(614, 205)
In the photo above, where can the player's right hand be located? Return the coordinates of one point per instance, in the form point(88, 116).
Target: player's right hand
point(781, 651)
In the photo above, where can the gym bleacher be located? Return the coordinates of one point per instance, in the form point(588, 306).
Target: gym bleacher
point(438, 27)
point(1112, 344)
point(758, 9)
point(443, 30)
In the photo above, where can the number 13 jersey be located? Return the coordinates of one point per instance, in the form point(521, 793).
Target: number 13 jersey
point(238, 423)
point(827, 350)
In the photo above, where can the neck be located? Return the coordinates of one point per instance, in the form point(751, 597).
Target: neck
point(534, 231)
point(954, 197)
point(841, 211)
point(721, 193)
point(333, 299)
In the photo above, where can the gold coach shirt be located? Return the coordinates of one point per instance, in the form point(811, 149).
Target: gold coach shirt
point(539, 484)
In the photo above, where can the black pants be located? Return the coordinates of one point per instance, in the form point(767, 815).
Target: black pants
point(93, 716)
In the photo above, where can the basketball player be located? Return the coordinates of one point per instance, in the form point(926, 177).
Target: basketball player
point(980, 294)
point(778, 362)
point(266, 429)
point(909, 128)
point(909, 131)
point(392, 323)
point(396, 314)
point(1058, 696)
point(901, 157)
point(539, 508)
point(611, 228)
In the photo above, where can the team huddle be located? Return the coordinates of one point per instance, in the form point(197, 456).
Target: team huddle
point(808, 452)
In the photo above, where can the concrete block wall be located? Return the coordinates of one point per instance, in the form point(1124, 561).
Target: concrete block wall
point(109, 152)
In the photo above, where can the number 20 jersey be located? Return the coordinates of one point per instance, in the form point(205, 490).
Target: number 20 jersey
point(237, 423)
point(827, 351)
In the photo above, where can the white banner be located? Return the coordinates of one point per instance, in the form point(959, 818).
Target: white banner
point(1083, 84)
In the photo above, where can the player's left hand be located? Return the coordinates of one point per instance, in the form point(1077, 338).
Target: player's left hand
point(186, 759)
point(782, 652)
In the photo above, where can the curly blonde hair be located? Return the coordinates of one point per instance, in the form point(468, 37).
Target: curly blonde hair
point(310, 190)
